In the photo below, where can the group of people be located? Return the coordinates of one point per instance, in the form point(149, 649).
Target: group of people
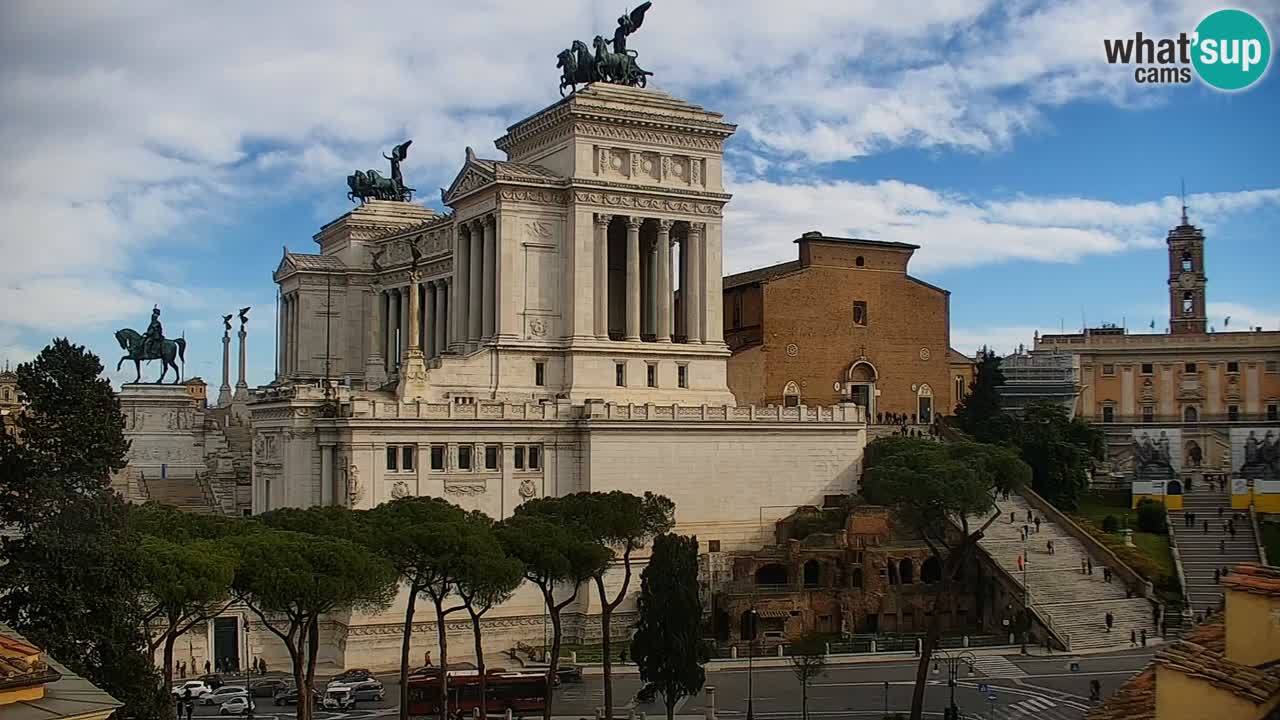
point(896, 419)
point(1136, 637)
point(221, 665)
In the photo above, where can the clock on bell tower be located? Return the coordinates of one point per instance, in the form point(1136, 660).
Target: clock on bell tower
point(1186, 279)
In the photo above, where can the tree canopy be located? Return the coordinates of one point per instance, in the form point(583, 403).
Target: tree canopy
point(979, 410)
point(668, 645)
point(1060, 450)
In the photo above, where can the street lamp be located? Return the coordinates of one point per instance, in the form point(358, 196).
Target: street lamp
point(751, 664)
point(244, 622)
point(954, 663)
point(1026, 592)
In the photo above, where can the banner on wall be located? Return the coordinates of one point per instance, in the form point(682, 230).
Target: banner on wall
point(1156, 454)
point(1255, 453)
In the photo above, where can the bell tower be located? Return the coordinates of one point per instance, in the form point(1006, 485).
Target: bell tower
point(1186, 278)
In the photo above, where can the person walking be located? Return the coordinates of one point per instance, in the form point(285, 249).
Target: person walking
point(1082, 570)
point(206, 666)
point(1037, 523)
point(1206, 526)
point(1090, 560)
point(1028, 516)
point(1011, 520)
point(1217, 575)
point(1110, 620)
point(1133, 638)
point(1142, 635)
point(1231, 529)
point(1219, 511)
point(1222, 546)
point(1164, 629)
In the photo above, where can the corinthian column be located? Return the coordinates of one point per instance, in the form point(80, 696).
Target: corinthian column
point(693, 298)
point(663, 249)
point(442, 314)
point(475, 300)
point(224, 391)
point(462, 283)
point(490, 272)
point(601, 266)
point(429, 320)
point(633, 278)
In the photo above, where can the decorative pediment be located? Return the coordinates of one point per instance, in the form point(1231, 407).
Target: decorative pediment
point(475, 174)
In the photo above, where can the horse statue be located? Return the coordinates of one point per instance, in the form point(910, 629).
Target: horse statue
point(577, 66)
point(132, 343)
point(619, 68)
point(371, 184)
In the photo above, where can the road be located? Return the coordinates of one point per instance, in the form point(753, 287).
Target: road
point(1022, 687)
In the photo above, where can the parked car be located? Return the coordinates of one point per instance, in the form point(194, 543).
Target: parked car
point(348, 677)
point(290, 696)
point(269, 687)
point(196, 688)
point(213, 680)
point(223, 694)
point(368, 690)
point(339, 697)
point(238, 705)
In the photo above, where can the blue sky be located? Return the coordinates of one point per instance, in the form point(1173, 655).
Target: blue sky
point(165, 156)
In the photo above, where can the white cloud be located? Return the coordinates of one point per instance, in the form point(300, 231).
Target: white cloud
point(1003, 339)
point(1242, 317)
point(126, 124)
point(953, 230)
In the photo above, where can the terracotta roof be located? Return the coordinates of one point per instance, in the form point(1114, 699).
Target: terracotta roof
point(1135, 700)
point(21, 664)
point(956, 356)
point(315, 262)
point(760, 274)
point(1202, 655)
point(1255, 579)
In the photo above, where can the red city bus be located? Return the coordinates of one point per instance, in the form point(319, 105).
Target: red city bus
point(519, 692)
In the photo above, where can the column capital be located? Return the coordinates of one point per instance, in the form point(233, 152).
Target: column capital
point(665, 225)
point(603, 219)
point(697, 229)
point(634, 221)
point(489, 220)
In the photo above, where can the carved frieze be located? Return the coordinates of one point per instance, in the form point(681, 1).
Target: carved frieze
point(532, 195)
point(652, 137)
point(645, 202)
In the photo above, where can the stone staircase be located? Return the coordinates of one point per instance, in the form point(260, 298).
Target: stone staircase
point(1075, 604)
point(185, 493)
point(1200, 552)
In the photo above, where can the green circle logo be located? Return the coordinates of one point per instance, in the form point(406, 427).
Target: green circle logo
point(1232, 49)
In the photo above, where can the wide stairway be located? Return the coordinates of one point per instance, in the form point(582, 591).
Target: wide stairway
point(1075, 603)
point(1201, 552)
point(186, 494)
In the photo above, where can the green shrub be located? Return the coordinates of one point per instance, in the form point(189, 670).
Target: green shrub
point(1151, 516)
point(1110, 524)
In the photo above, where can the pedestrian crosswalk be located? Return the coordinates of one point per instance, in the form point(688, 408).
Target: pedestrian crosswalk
point(1031, 706)
point(997, 666)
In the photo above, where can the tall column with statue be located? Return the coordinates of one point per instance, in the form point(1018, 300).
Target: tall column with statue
point(224, 390)
point(242, 387)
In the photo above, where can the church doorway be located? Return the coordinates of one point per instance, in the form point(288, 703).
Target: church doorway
point(861, 378)
point(924, 404)
point(226, 642)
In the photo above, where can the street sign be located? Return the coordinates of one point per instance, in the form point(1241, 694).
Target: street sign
point(992, 698)
point(982, 688)
point(1075, 666)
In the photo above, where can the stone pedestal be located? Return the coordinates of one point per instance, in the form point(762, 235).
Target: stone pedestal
point(161, 423)
point(413, 377)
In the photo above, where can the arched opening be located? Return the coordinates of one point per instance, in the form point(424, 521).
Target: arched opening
point(720, 625)
point(1190, 414)
point(6, 394)
point(905, 570)
point(1173, 487)
point(856, 579)
point(931, 570)
point(1188, 303)
point(771, 574)
point(861, 378)
point(747, 625)
point(924, 403)
point(1186, 261)
point(893, 572)
point(859, 261)
point(791, 394)
point(1194, 454)
point(812, 573)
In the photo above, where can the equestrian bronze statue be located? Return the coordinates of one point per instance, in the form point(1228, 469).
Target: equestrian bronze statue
point(152, 345)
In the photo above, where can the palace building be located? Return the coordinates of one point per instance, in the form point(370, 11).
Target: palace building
point(528, 342)
point(1205, 392)
point(844, 323)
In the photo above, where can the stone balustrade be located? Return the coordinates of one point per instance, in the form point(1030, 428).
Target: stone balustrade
point(600, 411)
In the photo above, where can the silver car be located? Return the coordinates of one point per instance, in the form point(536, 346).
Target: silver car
point(223, 694)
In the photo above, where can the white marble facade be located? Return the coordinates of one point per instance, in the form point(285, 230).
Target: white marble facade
point(559, 330)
